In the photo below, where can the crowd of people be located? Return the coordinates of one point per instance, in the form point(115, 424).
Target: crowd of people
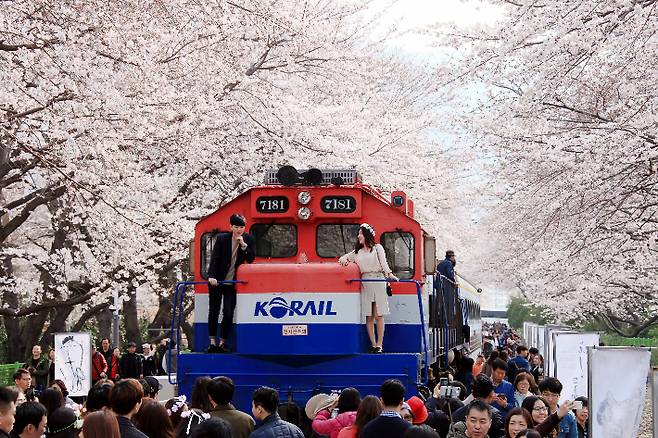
point(503, 393)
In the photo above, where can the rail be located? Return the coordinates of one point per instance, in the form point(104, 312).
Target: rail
point(177, 317)
point(420, 309)
point(446, 334)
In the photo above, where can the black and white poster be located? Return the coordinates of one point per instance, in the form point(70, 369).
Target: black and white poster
point(73, 362)
point(617, 387)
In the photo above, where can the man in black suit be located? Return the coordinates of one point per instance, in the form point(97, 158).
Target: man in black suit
point(230, 251)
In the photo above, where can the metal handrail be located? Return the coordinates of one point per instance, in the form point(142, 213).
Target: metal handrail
point(445, 320)
point(420, 308)
point(177, 315)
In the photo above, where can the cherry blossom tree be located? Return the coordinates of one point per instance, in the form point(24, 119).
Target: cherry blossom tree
point(565, 111)
point(123, 123)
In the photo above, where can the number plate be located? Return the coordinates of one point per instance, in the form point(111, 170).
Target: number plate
point(295, 330)
point(338, 204)
point(272, 204)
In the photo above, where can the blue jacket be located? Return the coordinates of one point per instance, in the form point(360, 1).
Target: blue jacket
point(506, 388)
point(446, 269)
point(274, 427)
point(568, 427)
point(521, 362)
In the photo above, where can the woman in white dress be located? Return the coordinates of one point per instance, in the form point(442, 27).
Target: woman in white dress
point(371, 259)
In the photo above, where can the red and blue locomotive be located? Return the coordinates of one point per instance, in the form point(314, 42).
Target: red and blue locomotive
point(298, 323)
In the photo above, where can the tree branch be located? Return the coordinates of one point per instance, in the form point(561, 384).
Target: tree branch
point(54, 304)
point(42, 198)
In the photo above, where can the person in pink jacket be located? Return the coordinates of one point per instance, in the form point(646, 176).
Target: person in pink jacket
point(369, 409)
point(346, 405)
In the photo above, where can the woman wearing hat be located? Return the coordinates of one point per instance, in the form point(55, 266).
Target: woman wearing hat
point(320, 407)
point(371, 259)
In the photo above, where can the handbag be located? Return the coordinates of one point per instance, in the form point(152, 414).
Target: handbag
point(389, 290)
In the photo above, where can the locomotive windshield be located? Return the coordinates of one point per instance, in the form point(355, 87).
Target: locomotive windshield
point(275, 240)
point(334, 240)
point(399, 247)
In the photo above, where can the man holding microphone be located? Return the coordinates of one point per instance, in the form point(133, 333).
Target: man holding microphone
point(230, 251)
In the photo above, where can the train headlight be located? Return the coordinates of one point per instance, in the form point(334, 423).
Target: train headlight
point(304, 213)
point(304, 198)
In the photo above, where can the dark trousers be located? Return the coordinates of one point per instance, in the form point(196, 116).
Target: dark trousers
point(227, 292)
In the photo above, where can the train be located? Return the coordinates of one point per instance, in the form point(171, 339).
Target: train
point(298, 324)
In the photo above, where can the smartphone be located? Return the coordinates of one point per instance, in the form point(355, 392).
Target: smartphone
point(577, 405)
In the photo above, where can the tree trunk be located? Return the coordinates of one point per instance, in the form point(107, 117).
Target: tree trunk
point(104, 324)
point(12, 325)
point(131, 323)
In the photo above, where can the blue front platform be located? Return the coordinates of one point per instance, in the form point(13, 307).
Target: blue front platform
point(300, 376)
point(400, 338)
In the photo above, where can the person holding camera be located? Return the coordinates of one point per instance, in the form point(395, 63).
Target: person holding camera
point(228, 253)
point(371, 259)
point(38, 367)
point(550, 389)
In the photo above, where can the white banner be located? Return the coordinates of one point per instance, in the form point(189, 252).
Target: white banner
point(618, 384)
point(549, 363)
point(571, 362)
point(654, 404)
point(73, 362)
point(540, 340)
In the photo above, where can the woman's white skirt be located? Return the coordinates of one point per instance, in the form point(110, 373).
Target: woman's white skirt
point(374, 292)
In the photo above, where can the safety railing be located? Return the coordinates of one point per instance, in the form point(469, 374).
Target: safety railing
point(420, 309)
point(451, 310)
point(177, 318)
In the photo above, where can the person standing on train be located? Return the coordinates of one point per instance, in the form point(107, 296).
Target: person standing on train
point(371, 259)
point(230, 251)
point(446, 267)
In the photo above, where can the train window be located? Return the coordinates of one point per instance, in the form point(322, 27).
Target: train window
point(399, 247)
point(275, 240)
point(207, 243)
point(334, 240)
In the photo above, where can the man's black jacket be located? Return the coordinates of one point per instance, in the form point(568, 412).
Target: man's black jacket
point(220, 261)
point(130, 365)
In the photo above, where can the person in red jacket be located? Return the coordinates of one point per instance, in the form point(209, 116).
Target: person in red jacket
point(113, 366)
point(98, 365)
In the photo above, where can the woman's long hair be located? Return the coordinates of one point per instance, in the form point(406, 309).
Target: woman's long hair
point(529, 404)
point(152, 419)
point(369, 409)
point(368, 237)
point(200, 394)
point(101, 424)
point(52, 399)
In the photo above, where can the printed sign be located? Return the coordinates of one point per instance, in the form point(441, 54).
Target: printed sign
point(295, 330)
point(654, 404)
point(299, 308)
point(617, 390)
point(73, 362)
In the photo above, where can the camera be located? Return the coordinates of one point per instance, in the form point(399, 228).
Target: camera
point(578, 405)
point(449, 391)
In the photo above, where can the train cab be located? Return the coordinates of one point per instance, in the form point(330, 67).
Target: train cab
point(298, 322)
